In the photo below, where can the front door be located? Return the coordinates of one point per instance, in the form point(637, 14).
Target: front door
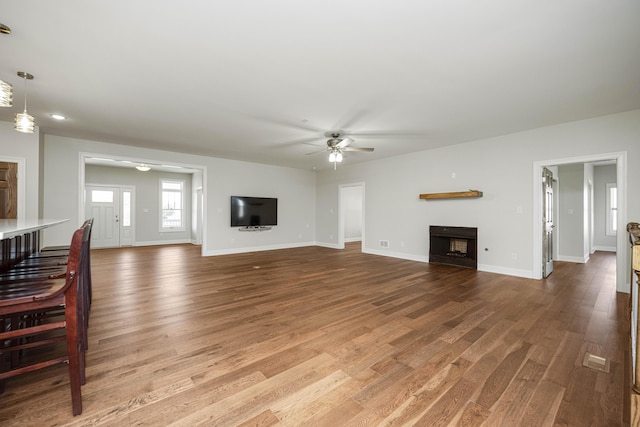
point(8, 190)
point(103, 205)
point(547, 222)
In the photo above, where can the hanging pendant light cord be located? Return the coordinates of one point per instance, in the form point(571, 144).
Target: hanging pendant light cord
point(25, 93)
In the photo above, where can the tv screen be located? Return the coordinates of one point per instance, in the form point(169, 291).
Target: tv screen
point(253, 211)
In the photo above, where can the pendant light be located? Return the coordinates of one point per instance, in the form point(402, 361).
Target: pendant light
point(24, 122)
point(6, 90)
point(6, 94)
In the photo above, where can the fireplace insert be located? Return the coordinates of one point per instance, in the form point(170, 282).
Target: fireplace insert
point(453, 246)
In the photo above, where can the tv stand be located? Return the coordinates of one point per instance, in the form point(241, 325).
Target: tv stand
point(255, 228)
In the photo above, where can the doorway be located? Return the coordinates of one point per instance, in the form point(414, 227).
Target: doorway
point(548, 221)
point(351, 214)
point(620, 158)
point(8, 190)
point(112, 210)
point(17, 187)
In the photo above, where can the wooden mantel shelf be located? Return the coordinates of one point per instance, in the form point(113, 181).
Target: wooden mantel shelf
point(454, 195)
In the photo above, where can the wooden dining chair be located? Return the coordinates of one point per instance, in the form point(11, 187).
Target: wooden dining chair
point(24, 300)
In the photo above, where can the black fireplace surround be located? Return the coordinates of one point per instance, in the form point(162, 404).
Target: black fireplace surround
point(453, 246)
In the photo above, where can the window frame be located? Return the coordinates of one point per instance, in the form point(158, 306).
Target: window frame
point(161, 226)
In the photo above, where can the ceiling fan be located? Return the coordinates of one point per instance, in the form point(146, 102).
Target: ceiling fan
point(337, 144)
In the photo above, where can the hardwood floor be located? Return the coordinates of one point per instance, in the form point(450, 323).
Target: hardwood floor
point(322, 337)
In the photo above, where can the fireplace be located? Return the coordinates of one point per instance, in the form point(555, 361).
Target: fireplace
point(453, 246)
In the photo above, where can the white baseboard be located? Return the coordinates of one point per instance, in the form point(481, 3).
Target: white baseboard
point(231, 251)
point(575, 259)
point(327, 245)
point(353, 239)
point(605, 248)
point(162, 242)
point(425, 259)
point(400, 255)
point(527, 274)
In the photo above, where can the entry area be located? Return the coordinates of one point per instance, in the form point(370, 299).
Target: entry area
point(112, 210)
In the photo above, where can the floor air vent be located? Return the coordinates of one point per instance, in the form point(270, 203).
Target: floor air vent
point(596, 362)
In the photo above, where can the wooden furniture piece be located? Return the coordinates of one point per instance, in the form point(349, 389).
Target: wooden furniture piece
point(29, 305)
point(452, 195)
point(21, 238)
point(633, 230)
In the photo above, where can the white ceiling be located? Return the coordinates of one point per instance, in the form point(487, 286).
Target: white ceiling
point(258, 81)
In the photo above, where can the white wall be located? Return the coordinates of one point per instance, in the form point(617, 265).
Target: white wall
point(196, 208)
point(501, 167)
point(222, 178)
point(571, 191)
point(603, 175)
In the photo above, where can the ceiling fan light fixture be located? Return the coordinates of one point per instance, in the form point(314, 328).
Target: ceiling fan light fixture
point(332, 156)
point(6, 94)
point(338, 157)
point(24, 122)
point(143, 168)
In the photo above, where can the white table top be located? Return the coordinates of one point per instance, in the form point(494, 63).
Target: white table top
point(17, 227)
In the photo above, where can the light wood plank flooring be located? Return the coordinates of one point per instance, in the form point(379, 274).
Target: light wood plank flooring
point(321, 337)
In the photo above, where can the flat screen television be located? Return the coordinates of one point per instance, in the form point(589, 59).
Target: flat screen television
point(253, 211)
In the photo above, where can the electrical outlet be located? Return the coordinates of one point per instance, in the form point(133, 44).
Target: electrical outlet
point(514, 256)
point(384, 243)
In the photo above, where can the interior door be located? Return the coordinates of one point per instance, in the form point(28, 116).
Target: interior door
point(8, 190)
point(103, 205)
point(547, 222)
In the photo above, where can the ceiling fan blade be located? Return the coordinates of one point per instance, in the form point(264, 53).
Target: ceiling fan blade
point(315, 152)
point(369, 149)
point(290, 123)
point(346, 141)
point(388, 133)
point(317, 143)
point(308, 141)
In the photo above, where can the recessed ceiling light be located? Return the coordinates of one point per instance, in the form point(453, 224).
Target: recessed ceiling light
point(57, 116)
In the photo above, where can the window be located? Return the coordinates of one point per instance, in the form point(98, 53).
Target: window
point(612, 209)
point(126, 208)
point(171, 209)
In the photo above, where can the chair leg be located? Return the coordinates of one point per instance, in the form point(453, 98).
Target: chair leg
point(15, 355)
point(3, 358)
point(75, 376)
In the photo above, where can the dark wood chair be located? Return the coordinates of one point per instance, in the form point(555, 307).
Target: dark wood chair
point(25, 303)
point(43, 265)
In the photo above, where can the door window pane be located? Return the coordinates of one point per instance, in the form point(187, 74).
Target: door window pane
point(102, 196)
